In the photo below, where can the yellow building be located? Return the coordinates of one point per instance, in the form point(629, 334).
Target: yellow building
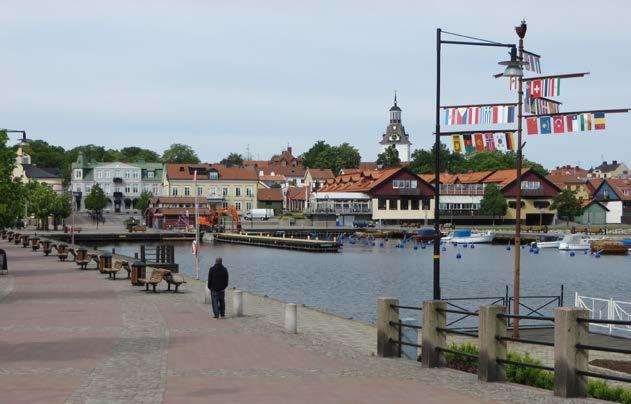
point(221, 186)
point(25, 172)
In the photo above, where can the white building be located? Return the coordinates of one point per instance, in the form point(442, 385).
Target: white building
point(396, 135)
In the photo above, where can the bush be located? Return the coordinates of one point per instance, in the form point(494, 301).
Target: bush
point(544, 379)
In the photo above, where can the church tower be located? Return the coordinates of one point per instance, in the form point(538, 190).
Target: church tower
point(395, 134)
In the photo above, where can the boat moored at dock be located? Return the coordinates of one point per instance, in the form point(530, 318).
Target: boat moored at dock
point(467, 237)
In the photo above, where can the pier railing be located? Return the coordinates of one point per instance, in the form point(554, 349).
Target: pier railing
point(570, 345)
point(606, 309)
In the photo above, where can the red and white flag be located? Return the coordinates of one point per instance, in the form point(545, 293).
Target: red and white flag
point(535, 88)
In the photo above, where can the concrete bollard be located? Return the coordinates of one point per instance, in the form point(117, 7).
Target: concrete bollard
point(386, 332)
point(567, 358)
point(291, 318)
point(491, 348)
point(237, 302)
point(409, 335)
point(431, 357)
point(207, 299)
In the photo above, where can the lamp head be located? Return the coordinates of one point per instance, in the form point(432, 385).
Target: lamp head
point(514, 67)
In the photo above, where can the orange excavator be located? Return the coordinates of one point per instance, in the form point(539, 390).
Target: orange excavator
point(211, 220)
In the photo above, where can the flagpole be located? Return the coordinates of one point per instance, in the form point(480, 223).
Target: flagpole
point(521, 32)
point(196, 228)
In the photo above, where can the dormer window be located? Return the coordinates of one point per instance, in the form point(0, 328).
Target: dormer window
point(181, 169)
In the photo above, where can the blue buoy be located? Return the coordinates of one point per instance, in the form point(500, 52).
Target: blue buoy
point(572, 253)
point(531, 249)
point(416, 247)
point(380, 244)
point(465, 245)
point(423, 246)
point(585, 252)
point(597, 254)
point(458, 255)
point(472, 246)
point(508, 248)
point(536, 251)
point(373, 243)
point(444, 248)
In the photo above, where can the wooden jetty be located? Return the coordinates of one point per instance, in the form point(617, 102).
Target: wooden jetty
point(279, 242)
point(609, 247)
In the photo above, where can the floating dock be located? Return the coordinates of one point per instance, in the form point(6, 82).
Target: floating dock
point(279, 242)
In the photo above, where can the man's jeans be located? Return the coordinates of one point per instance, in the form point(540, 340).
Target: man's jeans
point(219, 303)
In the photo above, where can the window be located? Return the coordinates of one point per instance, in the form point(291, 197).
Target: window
point(200, 191)
point(392, 204)
point(135, 174)
point(248, 205)
point(405, 203)
point(108, 174)
point(127, 189)
point(99, 174)
point(224, 204)
point(156, 189)
point(107, 188)
point(88, 188)
point(150, 174)
point(213, 190)
point(174, 191)
point(237, 191)
point(404, 184)
point(187, 191)
point(530, 185)
point(381, 204)
point(135, 188)
point(415, 204)
point(426, 203)
point(248, 191)
point(117, 173)
point(117, 188)
point(225, 191)
point(513, 205)
point(213, 175)
point(237, 205)
point(78, 174)
point(127, 174)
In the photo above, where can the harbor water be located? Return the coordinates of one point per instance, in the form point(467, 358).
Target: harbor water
point(348, 283)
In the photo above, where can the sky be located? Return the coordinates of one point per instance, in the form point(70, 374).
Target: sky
point(239, 76)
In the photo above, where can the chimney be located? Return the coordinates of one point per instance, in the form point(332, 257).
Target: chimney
point(614, 162)
point(289, 149)
point(605, 162)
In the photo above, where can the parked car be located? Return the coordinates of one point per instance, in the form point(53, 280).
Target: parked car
point(363, 223)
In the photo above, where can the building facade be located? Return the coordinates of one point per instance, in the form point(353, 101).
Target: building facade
point(615, 195)
point(395, 134)
point(25, 172)
point(606, 170)
point(121, 182)
point(220, 185)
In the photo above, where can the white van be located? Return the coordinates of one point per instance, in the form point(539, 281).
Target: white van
point(259, 214)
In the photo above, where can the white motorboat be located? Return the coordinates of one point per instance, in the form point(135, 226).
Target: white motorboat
point(552, 241)
point(466, 237)
point(574, 242)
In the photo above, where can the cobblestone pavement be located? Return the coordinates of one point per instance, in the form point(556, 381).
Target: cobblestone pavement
point(74, 336)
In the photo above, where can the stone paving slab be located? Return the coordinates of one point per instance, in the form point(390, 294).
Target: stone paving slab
point(93, 340)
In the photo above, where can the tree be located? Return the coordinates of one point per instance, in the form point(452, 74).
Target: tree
point(11, 192)
point(493, 202)
point(41, 200)
point(142, 203)
point(310, 157)
point(133, 153)
point(181, 154)
point(423, 161)
point(389, 157)
point(61, 208)
point(96, 202)
point(233, 159)
point(567, 205)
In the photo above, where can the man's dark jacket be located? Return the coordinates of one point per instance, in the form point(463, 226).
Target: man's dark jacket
point(217, 278)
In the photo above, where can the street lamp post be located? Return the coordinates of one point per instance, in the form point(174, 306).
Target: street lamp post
point(513, 69)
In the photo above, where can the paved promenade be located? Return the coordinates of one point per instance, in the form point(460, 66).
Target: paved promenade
point(72, 336)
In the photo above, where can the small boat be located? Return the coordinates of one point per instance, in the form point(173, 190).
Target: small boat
point(574, 242)
point(467, 237)
point(425, 234)
point(609, 247)
point(547, 242)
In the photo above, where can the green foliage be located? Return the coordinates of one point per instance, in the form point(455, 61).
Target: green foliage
point(493, 202)
point(181, 154)
point(61, 207)
point(568, 206)
point(142, 203)
point(133, 154)
point(599, 389)
point(46, 155)
point(423, 161)
point(233, 159)
point(389, 157)
point(41, 201)
point(310, 157)
point(528, 376)
point(275, 185)
point(7, 158)
point(462, 362)
point(11, 193)
point(337, 157)
point(96, 200)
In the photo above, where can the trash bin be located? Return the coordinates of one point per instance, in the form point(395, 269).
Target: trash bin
point(35, 243)
point(105, 261)
point(46, 248)
point(25, 240)
point(3, 262)
point(138, 271)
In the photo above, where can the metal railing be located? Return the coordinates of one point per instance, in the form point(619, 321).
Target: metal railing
point(400, 325)
point(606, 309)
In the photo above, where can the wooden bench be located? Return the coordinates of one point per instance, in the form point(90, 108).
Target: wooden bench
point(157, 276)
point(118, 265)
point(173, 279)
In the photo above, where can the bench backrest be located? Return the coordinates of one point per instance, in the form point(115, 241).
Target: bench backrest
point(157, 274)
point(118, 265)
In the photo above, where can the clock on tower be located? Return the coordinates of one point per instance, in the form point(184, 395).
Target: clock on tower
point(395, 134)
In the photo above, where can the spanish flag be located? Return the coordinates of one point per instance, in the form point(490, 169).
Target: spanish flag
point(599, 120)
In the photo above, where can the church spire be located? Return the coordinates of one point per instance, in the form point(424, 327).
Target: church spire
point(395, 98)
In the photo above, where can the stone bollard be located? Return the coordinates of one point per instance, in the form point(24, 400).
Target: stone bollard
point(237, 302)
point(291, 318)
point(491, 348)
point(409, 335)
point(207, 299)
point(568, 332)
point(431, 357)
point(386, 332)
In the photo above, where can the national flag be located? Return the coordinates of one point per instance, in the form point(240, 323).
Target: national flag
point(545, 125)
point(479, 141)
point(568, 123)
point(489, 142)
point(510, 141)
point(512, 83)
point(511, 114)
point(558, 124)
point(532, 126)
point(447, 117)
point(457, 143)
point(587, 120)
point(495, 114)
point(599, 120)
point(468, 144)
point(576, 123)
point(535, 88)
point(500, 141)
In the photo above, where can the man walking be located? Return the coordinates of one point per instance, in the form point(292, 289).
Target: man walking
point(217, 284)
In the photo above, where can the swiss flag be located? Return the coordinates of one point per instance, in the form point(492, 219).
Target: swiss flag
point(535, 88)
point(558, 124)
point(532, 127)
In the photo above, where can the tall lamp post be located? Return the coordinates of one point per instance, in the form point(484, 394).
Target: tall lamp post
point(513, 69)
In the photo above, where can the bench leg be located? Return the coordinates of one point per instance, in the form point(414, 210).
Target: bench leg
point(176, 286)
point(168, 286)
point(114, 275)
point(154, 288)
point(147, 287)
